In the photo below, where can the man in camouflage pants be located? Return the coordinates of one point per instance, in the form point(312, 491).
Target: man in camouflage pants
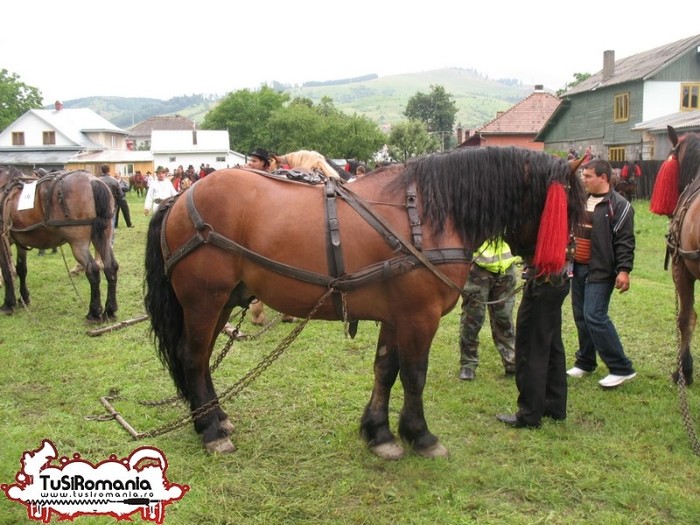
point(491, 280)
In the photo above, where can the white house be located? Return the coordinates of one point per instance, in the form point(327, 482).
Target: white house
point(173, 148)
point(49, 138)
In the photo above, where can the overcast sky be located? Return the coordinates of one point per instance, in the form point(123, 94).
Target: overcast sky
point(77, 48)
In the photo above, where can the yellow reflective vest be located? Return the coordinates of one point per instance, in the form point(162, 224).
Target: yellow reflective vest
point(494, 256)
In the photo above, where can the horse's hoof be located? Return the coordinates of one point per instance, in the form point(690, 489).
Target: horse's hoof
point(226, 426)
point(220, 446)
point(93, 320)
point(436, 451)
point(6, 311)
point(391, 451)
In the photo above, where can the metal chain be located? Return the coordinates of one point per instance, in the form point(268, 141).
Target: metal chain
point(72, 280)
point(242, 383)
point(683, 394)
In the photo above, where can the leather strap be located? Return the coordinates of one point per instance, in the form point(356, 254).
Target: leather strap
point(413, 216)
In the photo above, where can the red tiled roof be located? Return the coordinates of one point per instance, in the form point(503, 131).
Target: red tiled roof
point(527, 116)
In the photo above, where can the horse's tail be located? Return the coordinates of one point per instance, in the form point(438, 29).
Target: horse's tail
point(162, 305)
point(104, 213)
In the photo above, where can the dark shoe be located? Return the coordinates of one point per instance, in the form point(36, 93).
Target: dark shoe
point(467, 374)
point(512, 421)
point(555, 418)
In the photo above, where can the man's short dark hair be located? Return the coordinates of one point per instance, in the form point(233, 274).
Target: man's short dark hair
point(600, 166)
point(104, 169)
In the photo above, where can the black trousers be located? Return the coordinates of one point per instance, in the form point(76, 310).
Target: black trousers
point(123, 206)
point(540, 360)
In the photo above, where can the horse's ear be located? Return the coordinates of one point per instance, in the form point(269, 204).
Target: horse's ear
point(672, 135)
point(575, 164)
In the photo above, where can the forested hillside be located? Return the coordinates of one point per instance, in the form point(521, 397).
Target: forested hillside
point(382, 99)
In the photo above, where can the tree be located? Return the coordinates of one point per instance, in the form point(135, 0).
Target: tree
point(578, 78)
point(245, 114)
point(16, 98)
point(324, 128)
point(268, 119)
point(437, 110)
point(410, 139)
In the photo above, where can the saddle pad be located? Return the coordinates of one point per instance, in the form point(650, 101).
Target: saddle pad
point(26, 198)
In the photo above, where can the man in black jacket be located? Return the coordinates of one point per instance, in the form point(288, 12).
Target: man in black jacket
point(120, 202)
point(603, 261)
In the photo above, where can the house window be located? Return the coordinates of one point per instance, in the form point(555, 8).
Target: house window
point(172, 159)
point(49, 137)
point(18, 138)
point(689, 96)
point(622, 108)
point(220, 159)
point(616, 154)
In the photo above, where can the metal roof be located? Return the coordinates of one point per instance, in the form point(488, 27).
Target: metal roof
point(641, 66)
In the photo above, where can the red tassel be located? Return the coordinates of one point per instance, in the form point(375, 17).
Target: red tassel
point(553, 235)
point(665, 195)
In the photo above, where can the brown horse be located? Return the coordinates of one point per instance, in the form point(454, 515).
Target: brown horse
point(627, 188)
point(395, 249)
point(684, 243)
point(139, 183)
point(66, 207)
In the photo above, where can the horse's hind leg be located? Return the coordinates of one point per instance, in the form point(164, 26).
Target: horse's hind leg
point(374, 426)
point(687, 317)
point(22, 275)
point(10, 302)
point(81, 252)
point(111, 269)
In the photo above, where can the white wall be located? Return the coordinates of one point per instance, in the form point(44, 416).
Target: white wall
point(660, 99)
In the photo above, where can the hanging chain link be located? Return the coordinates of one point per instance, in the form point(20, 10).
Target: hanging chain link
point(237, 387)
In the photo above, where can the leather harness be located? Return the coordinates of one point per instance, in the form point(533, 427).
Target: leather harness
point(55, 181)
point(338, 280)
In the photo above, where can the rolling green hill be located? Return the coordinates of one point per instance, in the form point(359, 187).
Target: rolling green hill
point(383, 99)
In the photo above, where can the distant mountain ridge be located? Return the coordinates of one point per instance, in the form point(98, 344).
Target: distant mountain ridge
point(382, 99)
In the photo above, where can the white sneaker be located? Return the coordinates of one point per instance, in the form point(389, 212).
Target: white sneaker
point(611, 380)
point(576, 372)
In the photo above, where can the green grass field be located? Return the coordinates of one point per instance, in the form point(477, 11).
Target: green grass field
point(621, 457)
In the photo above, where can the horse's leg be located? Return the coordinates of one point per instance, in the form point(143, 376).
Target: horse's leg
point(194, 351)
point(685, 288)
point(22, 275)
point(110, 266)
point(374, 426)
point(81, 252)
point(8, 277)
point(257, 313)
point(414, 337)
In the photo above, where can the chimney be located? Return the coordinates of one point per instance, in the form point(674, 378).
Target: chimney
point(608, 64)
point(58, 105)
point(459, 134)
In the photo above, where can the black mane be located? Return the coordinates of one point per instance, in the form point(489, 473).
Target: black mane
point(490, 191)
point(690, 167)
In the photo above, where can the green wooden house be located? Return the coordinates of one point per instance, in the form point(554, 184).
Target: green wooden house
point(620, 111)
